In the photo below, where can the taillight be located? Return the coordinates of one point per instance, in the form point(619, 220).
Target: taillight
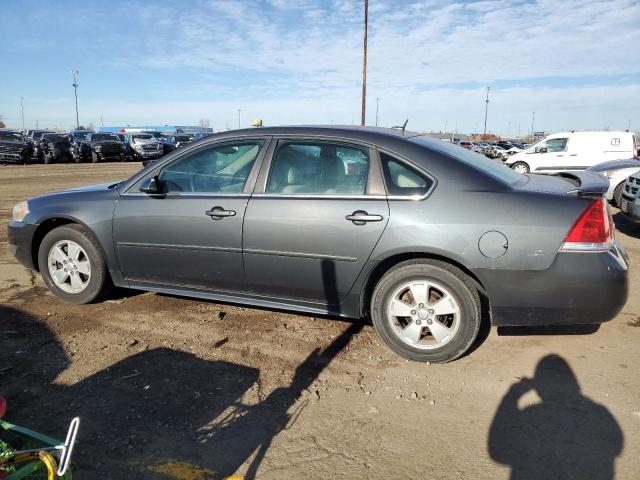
point(592, 232)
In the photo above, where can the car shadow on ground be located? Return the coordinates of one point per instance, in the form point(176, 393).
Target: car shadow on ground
point(158, 414)
point(564, 435)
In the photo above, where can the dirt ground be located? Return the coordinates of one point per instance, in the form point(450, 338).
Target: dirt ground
point(173, 388)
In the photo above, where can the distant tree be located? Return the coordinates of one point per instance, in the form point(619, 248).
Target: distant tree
point(204, 123)
point(2, 125)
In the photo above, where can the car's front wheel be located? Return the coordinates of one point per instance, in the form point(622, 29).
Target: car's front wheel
point(426, 310)
point(72, 265)
point(520, 167)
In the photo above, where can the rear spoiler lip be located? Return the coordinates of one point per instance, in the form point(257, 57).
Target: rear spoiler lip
point(592, 184)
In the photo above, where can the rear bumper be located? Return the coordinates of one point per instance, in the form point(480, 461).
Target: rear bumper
point(20, 239)
point(577, 288)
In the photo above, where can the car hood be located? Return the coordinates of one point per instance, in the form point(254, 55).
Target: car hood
point(106, 142)
point(144, 141)
point(99, 187)
point(615, 165)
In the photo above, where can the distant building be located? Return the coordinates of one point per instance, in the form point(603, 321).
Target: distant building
point(449, 136)
point(156, 128)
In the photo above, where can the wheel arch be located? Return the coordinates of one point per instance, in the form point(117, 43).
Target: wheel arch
point(50, 223)
point(387, 263)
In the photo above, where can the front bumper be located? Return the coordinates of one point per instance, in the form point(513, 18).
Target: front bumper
point(149, 153)
point(20, 239)
point(578, 288)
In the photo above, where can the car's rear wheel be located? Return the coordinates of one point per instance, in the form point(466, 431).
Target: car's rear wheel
point(520, 167)
point(72, 265)
point(426, 310)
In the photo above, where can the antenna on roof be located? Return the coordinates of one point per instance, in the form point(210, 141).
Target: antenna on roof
point(403, 127)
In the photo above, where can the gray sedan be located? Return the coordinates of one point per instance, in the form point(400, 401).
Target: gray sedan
point(417, 234)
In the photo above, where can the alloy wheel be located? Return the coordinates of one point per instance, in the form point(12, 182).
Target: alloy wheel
point(423, 314)
point(69, 266)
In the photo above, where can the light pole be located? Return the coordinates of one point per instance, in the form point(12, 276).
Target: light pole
point(533, 117)
point(22, 112)
point(75, 73)
point(486, 111)
point(239, 110)
point(377, 107)
point(364, 63)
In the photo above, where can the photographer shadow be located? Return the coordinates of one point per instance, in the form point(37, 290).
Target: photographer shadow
point(566, 435)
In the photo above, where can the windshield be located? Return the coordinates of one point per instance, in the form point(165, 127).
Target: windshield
point(55, 137)
point(14, 136)
point(155, 134)
point(492, 168)
point(104, 136)
point(142, 136)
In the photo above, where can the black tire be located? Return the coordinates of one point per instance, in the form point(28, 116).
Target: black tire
point(95, 158)
point(617, 194)
point(99, 282)
point(453, 279)
point(521, 164)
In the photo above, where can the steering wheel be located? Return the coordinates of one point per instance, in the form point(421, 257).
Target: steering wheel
point(203, 183)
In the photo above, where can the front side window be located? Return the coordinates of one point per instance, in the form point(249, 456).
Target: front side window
point(318, 168)
point(552, 145)
point(216, 169)
point(402, 180)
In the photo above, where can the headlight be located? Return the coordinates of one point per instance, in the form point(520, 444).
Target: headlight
point(98, 148)
point(20, 211)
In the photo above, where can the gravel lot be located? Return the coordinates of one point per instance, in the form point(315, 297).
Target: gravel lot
point(174, 388)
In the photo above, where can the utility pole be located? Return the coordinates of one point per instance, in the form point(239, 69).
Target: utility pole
point(101, 122)
point(486, 111)
point(364, 64)
point(22, 111)
point(75, 73)
point(377, 106)
point(533, 117)
point(239, 111)
point(628, 125)
point(445, 126)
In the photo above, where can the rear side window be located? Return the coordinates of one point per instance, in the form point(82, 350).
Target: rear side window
point(318, 168)
point(403, 180)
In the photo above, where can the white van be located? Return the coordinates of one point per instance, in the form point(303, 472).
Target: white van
point(574, 151)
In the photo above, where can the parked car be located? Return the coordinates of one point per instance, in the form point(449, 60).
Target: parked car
point(574, 151)
point(630, 198)
point(53, 148)
point(167, 146)
point(465, 144)
point(14, 147)
point(408, 232)
point(34, 139)
point(617, 172)
point(143, 146)
point(99, 146)
point(180, 139)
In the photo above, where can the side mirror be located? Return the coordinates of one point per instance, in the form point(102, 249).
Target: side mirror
point(152, 187)
point(543, 150)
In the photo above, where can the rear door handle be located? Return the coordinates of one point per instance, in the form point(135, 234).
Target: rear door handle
point(219, 212)
point(360, 217)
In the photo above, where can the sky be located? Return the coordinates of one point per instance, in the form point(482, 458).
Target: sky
point(576, 64)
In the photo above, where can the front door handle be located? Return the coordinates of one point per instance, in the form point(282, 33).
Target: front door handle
point(218, 212)
point(360, 217)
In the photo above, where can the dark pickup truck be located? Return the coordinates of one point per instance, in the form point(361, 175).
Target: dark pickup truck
point(14, 147)
point(99, 147)
point(53, 148)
